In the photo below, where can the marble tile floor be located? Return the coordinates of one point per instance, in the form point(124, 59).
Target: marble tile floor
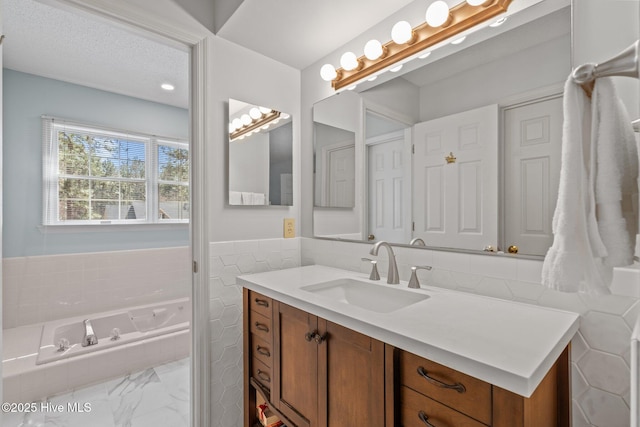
point(155, 397)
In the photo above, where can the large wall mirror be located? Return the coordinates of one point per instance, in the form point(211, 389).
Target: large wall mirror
point(461, 152)
point(260, 156)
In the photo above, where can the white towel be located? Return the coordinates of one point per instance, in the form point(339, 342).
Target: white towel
point(616, 173)
point(258, 198)
point(247, 198)
point(235, 198)
point(576, 260)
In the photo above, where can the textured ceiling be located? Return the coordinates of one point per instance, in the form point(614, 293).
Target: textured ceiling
point(58, 44)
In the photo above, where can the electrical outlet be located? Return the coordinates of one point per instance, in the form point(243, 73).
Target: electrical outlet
point(289, 228)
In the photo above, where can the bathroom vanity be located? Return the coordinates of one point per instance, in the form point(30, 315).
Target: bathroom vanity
point(328, 347)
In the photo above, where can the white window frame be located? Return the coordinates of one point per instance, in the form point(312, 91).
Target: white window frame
point(50, 173)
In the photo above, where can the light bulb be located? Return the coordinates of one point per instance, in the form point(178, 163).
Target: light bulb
point(476, 2)
point(349, 61)
point(458, 40)
point(373, 50)
point(499, 22)
point(246, 119)
point(265, 110)
point(396, 69)
point(255, 113)
point(237, 123)
point(401, 33)
point(328, 72)
point(437, 14)
point(424, 55)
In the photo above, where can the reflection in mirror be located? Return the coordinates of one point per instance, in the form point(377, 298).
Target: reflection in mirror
point(485, 124)
point(260, 156)
point(335, 123)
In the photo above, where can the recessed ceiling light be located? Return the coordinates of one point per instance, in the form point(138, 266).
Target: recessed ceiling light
point(424, 55)
point(396, 69)
point(459, 40)
point(167, 86)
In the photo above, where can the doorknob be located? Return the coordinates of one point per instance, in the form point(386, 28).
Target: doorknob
point(371, 237)
point(513, 249)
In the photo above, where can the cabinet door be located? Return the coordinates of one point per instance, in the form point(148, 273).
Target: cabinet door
point(295, 382)
point(351, 376)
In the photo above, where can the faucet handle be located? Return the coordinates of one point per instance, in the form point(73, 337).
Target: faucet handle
point(413, 281)
point(374, 269)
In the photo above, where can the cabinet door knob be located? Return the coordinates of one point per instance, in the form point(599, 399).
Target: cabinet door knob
point(310, 336)
point(423, 417)
point(457, 386)
point(320, 338)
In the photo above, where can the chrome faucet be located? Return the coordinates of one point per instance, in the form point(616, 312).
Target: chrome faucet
point(392, 278)
point(90, 337)
point(413, 281)
point(417, 241)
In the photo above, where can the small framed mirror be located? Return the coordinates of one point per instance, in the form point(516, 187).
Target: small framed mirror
point(260, 156)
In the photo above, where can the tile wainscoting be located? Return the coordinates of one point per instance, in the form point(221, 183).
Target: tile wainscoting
point(228, 260)
point(600, 351)
point(38, 289)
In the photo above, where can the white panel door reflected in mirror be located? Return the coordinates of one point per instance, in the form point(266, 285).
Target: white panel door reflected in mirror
point(260, 156)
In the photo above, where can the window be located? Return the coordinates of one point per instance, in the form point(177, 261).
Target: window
point(100, 176)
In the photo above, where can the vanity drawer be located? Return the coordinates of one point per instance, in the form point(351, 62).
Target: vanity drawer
point(261, 372)
point(261, 326)
point(260, 304)
point(262, 350)
point(414, 406)
point(472, 396)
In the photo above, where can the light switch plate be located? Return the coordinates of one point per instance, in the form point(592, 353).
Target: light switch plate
point(289, 228)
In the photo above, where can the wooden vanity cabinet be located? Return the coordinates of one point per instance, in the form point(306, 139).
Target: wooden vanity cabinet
point(315, 373)
point(322, 374)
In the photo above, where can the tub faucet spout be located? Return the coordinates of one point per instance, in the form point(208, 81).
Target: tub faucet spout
point(393, 277)
point(90, 337)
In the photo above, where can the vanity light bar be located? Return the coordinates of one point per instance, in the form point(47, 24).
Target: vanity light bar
point(461, 18)
point(255, 124)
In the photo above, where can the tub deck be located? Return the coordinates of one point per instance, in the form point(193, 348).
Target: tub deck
point(26, 381)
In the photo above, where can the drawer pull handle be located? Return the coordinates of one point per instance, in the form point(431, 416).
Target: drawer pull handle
point(457, 386)
point(262, 302)
point(310, 336)
point(262, 327)
point(423, 417)
point(263, 351)
point(264, 376)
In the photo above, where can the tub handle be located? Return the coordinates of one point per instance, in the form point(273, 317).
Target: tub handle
point(262, 327)
point(263, 351)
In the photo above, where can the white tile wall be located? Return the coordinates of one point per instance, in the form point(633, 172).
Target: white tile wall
point(227, 261)
point(600, 350)
point(42, 288)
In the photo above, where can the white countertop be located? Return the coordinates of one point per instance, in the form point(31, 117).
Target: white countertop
point(508, 344)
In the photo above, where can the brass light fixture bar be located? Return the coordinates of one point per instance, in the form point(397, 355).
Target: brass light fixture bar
point(255, 124)
point(462, 17)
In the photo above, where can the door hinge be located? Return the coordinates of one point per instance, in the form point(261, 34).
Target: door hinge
point(195, 267)
point(413, 148)
point(413, 226)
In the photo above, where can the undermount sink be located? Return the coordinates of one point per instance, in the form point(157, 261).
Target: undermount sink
point(373, 297)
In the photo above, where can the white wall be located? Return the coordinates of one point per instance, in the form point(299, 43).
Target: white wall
point(238, 73)
point(602, 29)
